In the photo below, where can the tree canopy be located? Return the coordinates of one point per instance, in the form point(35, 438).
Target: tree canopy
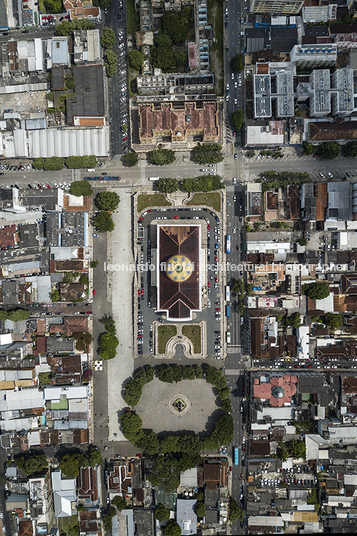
point(162, 57)
point(111, 62)
point(207, 154)
point(161, 157)
point(136, 59)
point(81, 162)
point(71, 464)
point(238, 286)
point(162, 40)
point(119, 502)
point(107, 39)
point(334, 321)
point(104, 222)
point(172, 529)
point(237, 63)
point(161, 513)
point(131, 425)
point(176, 24)
point(235, 512)
point(67, 28)
point(32, 464)
point(130, 159)
point(200, 509)
point(316, 291)
point(79, 188)
point(308, 148)
point(350, 149)
point(107, 345)
point(167, 185)
point(329, 150)
point(204, 183)
point(107, 200)
point(54, 163)
point(238, 119)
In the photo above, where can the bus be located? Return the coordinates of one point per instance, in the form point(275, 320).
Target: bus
point(235, 456)
point(228, 337)
point(228, 247)
point(228, 293)
point(228, 311)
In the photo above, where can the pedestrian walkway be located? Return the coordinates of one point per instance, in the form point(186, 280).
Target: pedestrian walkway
point(121, 367)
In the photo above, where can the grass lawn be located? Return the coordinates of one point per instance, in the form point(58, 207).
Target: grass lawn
point(132, 17)
point(211, 199)
point(164, 334)
point(44, 378)
point(66, 523)
point(194, 334)
point(152, 200)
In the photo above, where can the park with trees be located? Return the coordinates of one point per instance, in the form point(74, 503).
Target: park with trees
point(175, 453)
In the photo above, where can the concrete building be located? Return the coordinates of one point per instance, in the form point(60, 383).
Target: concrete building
point(276, 7)
point(282, 74)
point(314, 55)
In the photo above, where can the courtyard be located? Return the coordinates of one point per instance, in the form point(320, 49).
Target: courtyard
point(200, 406)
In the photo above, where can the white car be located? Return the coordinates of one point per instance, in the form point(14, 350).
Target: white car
point(232, 76)
point(235, 101)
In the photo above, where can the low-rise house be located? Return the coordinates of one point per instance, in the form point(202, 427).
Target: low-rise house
point(64, 495)
point(88, 482)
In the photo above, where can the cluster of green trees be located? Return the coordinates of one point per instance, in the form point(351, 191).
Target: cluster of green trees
point(130, 159)
point(162, 54)
point(71, 464)
point(316, 291)
point(67, 28)
point(274, 180)
point(238, 119)
point(107, 345)
point(15, 315)
point(104, 222)
point(177, 451)
point(31, 464)
point(79, 188)
point(238, 288)
point(331, 149)
point(161, 513)
point(172, 529)
point(111, 62)
point(83, 340)
point(134, 387)
point(237, 63)
point(177, 24)
point(107, 201)
point(136, 59)
point(119, 502)
point(109, 324)
point(108, 341)
point(108, 518)
point(333, 321)
point(235, 512)
point(205, 183)
point(53, 6)
point(55, 163)
point(294, 320)
point(207, 154)
point(161, 157)
point(293, 449)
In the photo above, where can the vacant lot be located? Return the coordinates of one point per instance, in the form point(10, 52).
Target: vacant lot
point(154, 410)
point(211, 199)
point(152, 200)
point(194, 334)
point(164, 334)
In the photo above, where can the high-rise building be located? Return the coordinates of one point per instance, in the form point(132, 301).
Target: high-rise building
point(277, 7)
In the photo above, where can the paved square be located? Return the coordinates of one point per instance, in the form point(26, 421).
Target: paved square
point(154, 409)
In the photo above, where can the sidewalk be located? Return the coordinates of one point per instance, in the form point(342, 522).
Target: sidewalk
point(120, 286)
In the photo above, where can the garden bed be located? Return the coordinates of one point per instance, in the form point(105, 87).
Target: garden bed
point(164, 334)
point(193, 332)
point(210, 199)
point(152, 200)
